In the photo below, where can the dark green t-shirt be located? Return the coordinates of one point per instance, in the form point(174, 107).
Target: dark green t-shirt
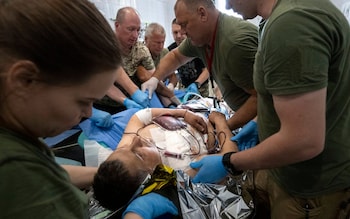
point(305, 46)
point(32, 185)
point(234, 52)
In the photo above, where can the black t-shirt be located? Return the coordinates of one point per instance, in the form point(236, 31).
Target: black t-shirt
point(190, 71)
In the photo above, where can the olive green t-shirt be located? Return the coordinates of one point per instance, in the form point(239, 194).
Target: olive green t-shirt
point(305, 46)
point(33, 185)
point(233, 59)
point(156, 60)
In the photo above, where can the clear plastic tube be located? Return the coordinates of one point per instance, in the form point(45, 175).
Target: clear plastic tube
point(173, 155)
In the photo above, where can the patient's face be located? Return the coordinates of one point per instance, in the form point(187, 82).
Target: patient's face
point(141, 154)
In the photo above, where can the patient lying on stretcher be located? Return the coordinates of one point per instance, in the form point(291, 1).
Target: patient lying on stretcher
point(149, 140)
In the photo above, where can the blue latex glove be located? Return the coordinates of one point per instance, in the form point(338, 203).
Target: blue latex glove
point(211, 169)
point(130, 104)
point(192, 88)
point(151, 205)
point(247, 137)
point(101, 118)
point(141, 98)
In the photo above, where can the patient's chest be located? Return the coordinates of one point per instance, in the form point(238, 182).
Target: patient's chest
point(178, 148)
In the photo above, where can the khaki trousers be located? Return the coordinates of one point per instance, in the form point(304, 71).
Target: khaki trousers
point(271, 201)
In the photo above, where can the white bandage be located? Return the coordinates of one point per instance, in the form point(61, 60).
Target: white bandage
point(145, 116)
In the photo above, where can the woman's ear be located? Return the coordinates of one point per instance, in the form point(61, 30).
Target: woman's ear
point(22, 75)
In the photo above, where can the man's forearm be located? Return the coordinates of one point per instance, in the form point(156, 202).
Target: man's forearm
point(116, 94)
point(81, 176)
point(164, 91)
point(203, 76)
point(125, 82)
point(173, 79)
point(244, 114)
point(169, 63)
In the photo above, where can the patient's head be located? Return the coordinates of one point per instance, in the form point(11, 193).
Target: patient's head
point(118, 178)
point(114, 184)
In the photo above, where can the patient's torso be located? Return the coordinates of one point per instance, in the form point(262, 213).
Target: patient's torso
point(177, 148)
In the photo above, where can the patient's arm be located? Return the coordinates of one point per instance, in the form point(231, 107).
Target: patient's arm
point(135, 123)
point(81, 176)
point(223, 132)
point(191, 118)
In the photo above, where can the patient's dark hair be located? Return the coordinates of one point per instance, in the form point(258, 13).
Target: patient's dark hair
point(114, 184)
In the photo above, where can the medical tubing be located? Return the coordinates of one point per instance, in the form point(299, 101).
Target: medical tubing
point(223, 142)
point(173, 155)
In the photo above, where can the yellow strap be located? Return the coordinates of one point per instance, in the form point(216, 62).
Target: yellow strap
point(162, 176)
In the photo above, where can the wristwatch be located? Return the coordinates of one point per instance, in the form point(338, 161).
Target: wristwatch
point(229, 166)
point(197, 84)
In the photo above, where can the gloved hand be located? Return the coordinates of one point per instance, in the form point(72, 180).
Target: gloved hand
point(141, 98)
point(247, 137)
point(151, 205)
point(101, 118)
point(170, 86)
point(129, 104)
point(150, 85)
point(192, 88)
point(211, 169)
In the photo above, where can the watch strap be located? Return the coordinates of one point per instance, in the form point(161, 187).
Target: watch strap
point(226, 161)
point(197, 84)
